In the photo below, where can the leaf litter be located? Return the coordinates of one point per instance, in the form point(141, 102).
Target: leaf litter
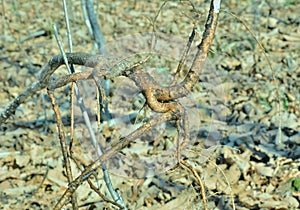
point(248, 163)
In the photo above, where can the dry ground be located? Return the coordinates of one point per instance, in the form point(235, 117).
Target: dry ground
point(260, 164)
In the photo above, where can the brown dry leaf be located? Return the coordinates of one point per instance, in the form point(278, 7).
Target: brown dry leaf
point(18, 191)
point(259, 170)
point(9, 174)
point(264, 170)
point(55, 176)
point(183, 201)
point(22, 160)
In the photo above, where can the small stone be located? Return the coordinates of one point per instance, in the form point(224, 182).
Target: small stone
point(247, 108)
point(258, 76)
point(290, 97)
point(23, 160)
point(242, 117)
point(293, 202)
point(264, 170)
point(167, 196)
point(272, 23)
point(295, 138)
point(270, 188)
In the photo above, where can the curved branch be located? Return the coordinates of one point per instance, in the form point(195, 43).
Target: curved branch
point(44, 76)
point(122, 143)
point(126, 69)
point(84, 59)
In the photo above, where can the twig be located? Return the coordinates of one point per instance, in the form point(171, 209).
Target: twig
point(68, 26)
point(279, 132)
point(86, 18)
point(87, 121)
point(101, 44)
point(87, 21)
point(226, 179)
point(72, 116)
point(29, 91)
point(199, 181)
point(83, 59)
point(63, 144)
point(162, 93)
point(160, 99)
point(93, 187)
point(183, 57)
point(42, 182)
point(33, 35)
point(97, 33)
point(122, 143)
point(168, 110)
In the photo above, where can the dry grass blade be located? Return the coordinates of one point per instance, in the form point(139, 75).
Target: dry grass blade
point(199, 181)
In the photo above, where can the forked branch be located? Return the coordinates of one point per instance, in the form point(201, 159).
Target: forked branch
point(158, 98)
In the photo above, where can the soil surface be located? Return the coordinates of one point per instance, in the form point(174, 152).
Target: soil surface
point(244, 114)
